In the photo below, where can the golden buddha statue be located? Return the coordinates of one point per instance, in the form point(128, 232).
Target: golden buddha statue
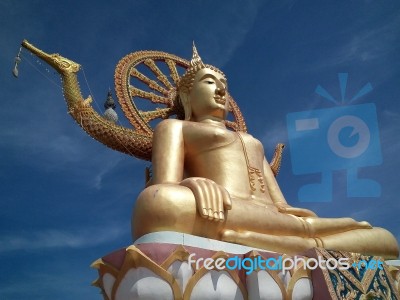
point(216, 183)
point(207, 180)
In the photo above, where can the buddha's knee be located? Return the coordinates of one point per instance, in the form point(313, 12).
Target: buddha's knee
point(163, 207)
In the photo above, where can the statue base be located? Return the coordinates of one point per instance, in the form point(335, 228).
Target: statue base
point(172, 265)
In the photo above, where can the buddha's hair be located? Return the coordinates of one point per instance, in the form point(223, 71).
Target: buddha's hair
point(186, 82)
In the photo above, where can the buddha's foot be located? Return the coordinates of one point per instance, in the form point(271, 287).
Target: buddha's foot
point(283, 244)
point(319, 227)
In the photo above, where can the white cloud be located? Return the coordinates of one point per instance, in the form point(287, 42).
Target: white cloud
point(105, 169)
point(363, 45)
point(371, 44)
point(221, 29)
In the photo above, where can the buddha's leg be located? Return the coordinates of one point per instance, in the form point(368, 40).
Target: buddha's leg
point(283, 244)
point(288, 233)
point(171, 207)
point(247, 216)
point(374, 241)
point(165, 207)
point(318, 227)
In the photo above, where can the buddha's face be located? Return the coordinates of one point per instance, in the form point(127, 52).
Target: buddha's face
point(208, 95)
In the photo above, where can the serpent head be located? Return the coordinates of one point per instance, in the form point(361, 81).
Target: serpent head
point(61, 64)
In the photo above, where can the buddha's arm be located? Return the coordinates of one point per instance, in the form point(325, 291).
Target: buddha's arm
point(168, 152)
point(272, 185)
point(168, 167)
point(277, 196)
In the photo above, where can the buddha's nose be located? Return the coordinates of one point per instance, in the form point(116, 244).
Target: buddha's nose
point(220, 91)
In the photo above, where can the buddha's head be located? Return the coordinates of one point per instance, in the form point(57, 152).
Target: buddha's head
point(203, 90)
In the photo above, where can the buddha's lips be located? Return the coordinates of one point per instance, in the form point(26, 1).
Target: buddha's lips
point(220, 100)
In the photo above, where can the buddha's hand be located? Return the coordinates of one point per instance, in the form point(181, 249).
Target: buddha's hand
point(212, 199)
point(299, 212)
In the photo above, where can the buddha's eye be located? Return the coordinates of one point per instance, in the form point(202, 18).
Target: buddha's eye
point(210, 81)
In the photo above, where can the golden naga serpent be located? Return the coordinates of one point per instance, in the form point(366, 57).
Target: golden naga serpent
point(144, 75)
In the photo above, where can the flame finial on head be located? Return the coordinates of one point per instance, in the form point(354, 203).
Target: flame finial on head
point(196, 61)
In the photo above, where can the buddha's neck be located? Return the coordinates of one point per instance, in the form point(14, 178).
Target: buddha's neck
point(213, 121)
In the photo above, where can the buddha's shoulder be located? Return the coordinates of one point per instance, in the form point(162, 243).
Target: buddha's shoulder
point(248, 138)
point(168, 124)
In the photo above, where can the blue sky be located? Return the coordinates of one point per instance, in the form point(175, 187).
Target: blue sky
point(66, 200)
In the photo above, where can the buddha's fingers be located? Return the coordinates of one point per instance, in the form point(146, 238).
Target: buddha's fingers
point(205, 197)
point(220, 204)
point(365, 224)
point(226, 199)
point(211, 198)
point(198, 193)
point(300, 212)
point(216, 202)
point(211, 191)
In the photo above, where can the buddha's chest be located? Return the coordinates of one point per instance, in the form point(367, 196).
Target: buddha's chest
point(204, 139)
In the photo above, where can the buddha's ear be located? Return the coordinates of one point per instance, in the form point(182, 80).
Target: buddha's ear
point(184, 98)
